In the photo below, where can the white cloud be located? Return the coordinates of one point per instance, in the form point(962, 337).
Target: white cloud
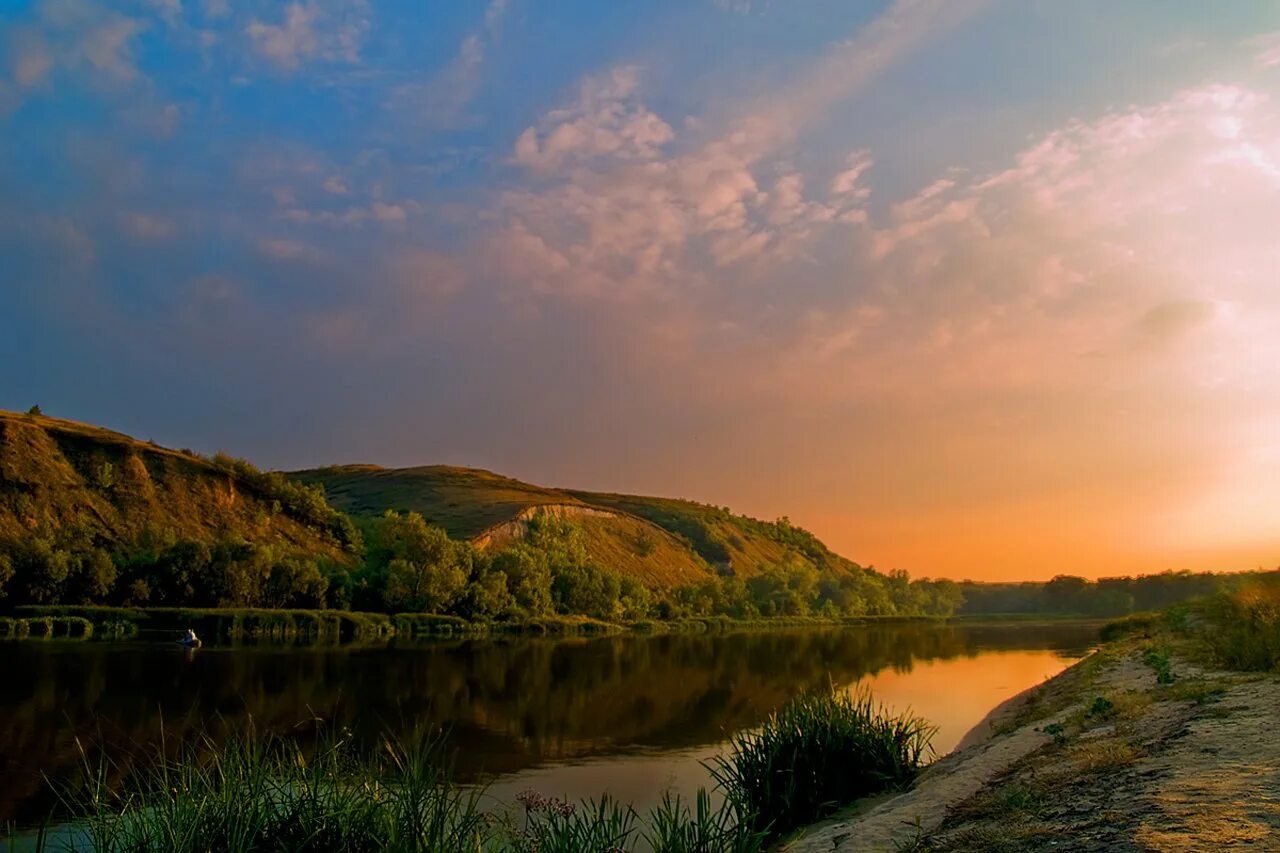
point(605, 120)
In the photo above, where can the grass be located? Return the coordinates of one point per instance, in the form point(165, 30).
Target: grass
point(1158, 660)
point(54, 480)
point(818, 753)
point(45, 627)
point(267, 793)
point(1244, 629)
point(272, 793)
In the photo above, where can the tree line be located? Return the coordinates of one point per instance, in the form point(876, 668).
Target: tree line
point(409, 565)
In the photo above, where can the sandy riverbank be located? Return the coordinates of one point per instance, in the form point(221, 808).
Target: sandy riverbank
point(1102, 757)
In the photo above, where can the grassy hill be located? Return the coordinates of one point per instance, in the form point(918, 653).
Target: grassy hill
point(659, 540)
point(91, 517)
point(64, 480)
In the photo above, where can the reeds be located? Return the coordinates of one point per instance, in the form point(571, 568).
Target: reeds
point(268, 793)
point(820, 752)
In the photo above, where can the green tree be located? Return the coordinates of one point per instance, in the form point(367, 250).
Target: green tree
point(6, 573)
point(426, 572)
point(528, 578)
point(488, 596)
point(295, 582)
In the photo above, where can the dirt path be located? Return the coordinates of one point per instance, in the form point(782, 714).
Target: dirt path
point(1104, 757)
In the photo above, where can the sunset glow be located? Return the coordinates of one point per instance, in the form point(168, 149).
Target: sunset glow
point(971, 288)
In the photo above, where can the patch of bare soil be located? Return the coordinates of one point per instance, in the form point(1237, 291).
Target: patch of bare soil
point(1109, 756)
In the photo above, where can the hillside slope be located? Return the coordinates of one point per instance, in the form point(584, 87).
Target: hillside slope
point(61, 480)
point(494, 511)
point(663, 540)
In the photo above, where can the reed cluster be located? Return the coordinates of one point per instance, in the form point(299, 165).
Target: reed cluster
point(818, 753)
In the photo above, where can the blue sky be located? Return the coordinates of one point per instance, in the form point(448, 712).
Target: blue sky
point(913, 272)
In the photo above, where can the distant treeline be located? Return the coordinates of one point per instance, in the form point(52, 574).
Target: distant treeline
point(1076, 596)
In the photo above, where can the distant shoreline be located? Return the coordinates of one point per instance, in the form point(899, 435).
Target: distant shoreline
point(333, 626)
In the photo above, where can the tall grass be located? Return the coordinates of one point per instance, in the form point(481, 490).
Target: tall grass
point(268, 793)
point(818, 753)
point(1244, 627)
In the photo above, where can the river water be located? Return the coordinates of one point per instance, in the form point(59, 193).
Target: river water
point(629, 715)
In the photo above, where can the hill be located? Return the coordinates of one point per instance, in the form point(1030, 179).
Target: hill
point(663, 541)
point(71, 489)
point(93, 517)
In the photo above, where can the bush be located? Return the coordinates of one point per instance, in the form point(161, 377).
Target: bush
point(1245, 632)
point(820, 752)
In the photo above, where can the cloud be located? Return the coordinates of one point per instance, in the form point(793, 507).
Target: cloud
point(634, 206)
point(1268, 46)
point(288, 250)
point(603, 121)
point(335, 185)
point(440, 101)
point(147, 227)
point(332, 32)
point(1171, 320)
point(289, 42)
point(76, 38)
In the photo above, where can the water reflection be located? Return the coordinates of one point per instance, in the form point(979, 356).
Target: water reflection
point(549, 711)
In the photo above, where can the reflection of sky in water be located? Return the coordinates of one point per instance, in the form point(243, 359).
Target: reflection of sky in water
point(954, 695)
point(633, 716)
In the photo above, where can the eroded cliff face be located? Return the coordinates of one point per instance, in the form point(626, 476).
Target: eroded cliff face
point(60, 477)
point(615, 540)
point(518, 527)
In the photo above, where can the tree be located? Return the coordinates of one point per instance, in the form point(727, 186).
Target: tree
point(528, 578)
point(426, 572)
point(6, 573)
point(34, 410)
point(488, 596)
point(95, 576)
point(43, 571)
point(295, 582)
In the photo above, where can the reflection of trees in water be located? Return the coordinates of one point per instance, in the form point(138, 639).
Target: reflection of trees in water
point(507, 703)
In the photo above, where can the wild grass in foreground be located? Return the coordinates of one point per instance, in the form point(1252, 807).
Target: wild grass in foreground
point(266, 793)
point(819, 753)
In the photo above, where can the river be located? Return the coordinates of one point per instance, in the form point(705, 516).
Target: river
point(630, 715)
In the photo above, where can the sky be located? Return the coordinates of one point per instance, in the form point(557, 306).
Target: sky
point(973, 288)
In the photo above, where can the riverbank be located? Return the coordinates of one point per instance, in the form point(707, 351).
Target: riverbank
point(1144, 745)
point(331, 626)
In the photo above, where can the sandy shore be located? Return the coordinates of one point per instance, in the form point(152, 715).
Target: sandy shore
point(1102, 757)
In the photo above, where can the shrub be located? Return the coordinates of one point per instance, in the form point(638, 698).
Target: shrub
point(1245, 628)
point(818, 753)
